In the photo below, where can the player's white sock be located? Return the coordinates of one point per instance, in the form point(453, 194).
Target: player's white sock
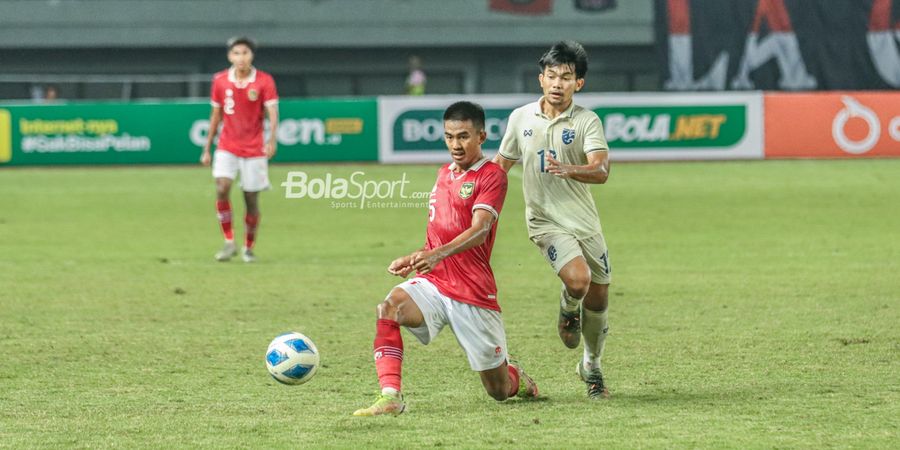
point(567, 302)
point(594, 327)
point(390, 391)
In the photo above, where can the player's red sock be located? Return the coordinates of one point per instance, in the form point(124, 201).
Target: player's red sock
point(251, 222)
point(388, 353)
point(223, 211)
point(513, 380)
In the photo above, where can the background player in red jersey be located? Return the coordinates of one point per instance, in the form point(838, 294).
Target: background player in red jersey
point(241, 97)
point(454, 283)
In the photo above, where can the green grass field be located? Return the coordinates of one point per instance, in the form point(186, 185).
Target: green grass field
point(754, 305)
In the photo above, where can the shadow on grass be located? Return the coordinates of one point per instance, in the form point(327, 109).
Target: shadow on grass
point(642, 399)
point(682, 398)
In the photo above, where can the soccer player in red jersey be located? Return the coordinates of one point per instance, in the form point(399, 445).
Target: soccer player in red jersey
point(454, 283)
point(241, 98)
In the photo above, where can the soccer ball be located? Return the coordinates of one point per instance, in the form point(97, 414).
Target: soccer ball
point(292, 358)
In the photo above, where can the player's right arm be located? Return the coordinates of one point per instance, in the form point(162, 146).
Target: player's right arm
point(488, 202)
point(215, 118)
point(504, 163)
point(509, 152)
point(482, 220)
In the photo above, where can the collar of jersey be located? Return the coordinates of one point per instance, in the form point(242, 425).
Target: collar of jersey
point(568, 113)
point(232, 77)
point(481, 162)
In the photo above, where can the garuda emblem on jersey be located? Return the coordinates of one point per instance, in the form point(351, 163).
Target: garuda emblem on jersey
point(466, 190)
point(252, 94)
point(568, 135)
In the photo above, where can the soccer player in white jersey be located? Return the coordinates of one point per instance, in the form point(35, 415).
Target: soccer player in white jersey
point(241, 98)
point(564, 151)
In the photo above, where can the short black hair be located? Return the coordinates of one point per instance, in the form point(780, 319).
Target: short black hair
point(463, 111)
point(568, 53)
point(242, 40)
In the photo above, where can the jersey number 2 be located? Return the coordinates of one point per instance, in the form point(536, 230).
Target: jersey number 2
point(229, 106)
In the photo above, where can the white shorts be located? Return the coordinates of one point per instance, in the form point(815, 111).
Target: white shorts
point(478, 331)
point(561, 248)
point(254, 171)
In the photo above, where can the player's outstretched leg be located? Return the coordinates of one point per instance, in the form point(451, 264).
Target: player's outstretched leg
point(388, 364)
point(385, 404)
point(508, 380)
point(526, 387)
point(398, 309)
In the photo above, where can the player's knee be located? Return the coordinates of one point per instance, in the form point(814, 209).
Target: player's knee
point(498, 394)
point(385, 310)
point(578, 286)
point(388, 309)
point(576, 278)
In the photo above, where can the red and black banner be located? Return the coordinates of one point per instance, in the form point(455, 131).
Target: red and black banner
point(791, 45)
point(530, 7)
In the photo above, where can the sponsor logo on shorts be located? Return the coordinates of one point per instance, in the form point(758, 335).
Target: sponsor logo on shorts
point(497, 351)
point(466, 190)
point(527, 133)
point(551, 252)
point(568, 136)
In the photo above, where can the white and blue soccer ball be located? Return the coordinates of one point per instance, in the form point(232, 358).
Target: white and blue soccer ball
point(292, 358)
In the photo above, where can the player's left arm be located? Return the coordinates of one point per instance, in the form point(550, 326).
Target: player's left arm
point(402, 266)
point(482, 220)
point(270, 100)
point(596, 171)
point(272, 144)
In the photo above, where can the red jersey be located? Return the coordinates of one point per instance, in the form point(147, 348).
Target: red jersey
point(243, 110)
point(466, 277)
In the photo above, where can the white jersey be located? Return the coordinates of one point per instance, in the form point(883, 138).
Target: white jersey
point(553, 204)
